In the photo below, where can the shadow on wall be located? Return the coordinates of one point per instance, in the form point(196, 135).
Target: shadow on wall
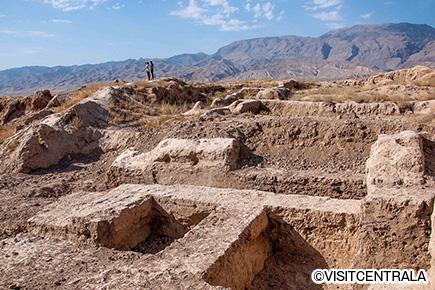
point(429, 157)
point(277, 258)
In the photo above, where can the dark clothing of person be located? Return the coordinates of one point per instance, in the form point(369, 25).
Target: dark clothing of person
point(148, 71)
point(152, 70)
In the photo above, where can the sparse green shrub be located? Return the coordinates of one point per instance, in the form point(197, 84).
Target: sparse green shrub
point(12, 145)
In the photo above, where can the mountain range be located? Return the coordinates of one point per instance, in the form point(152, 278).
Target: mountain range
point(355, 51)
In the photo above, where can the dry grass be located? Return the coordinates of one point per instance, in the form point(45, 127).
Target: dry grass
point(80, 95)
point(427, 119)
point(157, 122)
point(221, 95)
point(204, 85)
point(6, 132)
point(243, 82)
point(142, 83)
point(76, 122)
point(128, 113)
point(173, 109)
point(357, 94)
point(429, 82)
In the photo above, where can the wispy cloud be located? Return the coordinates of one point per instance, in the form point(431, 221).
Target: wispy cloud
point(335, 25)
point(118, 6)
point(23, 51)
point(333, 18)
point(192, 11)
point(368, 15)
point(28, 33)
point(321, 4)
point(224, 5)
point(61, 21)
point(68, 5)
point(388, 3)
point(2, 15)
point(281, 15)
point(328, 16)
point(261, 10)
point(31, 50)
point(219, 13)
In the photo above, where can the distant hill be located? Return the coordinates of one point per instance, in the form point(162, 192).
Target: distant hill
point(360, 50)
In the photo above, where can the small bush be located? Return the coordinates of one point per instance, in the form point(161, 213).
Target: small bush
point(173, 109)
point(169, 109)
point(76, 122)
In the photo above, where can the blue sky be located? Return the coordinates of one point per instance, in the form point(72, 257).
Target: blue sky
point(67, 32)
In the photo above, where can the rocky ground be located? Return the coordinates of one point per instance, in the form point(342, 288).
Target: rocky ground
point(247, 185)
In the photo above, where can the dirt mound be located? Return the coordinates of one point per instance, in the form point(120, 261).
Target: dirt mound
point(419, 75)
point(177, 161)
point(45, 144)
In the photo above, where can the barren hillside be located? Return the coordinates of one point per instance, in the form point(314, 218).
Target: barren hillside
point(357, 51)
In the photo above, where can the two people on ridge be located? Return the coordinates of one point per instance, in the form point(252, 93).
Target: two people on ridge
point(150, 69)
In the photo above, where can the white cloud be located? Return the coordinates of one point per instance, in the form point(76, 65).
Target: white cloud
point(388, 3)
point(214, 13)
point(2, 15)
point(281, 15)
point(368, 15)
point(118, 6)
point(321, 4)
point(328, 16)
point(268, 10)
point(192, 11)
point(28, 33)
point(61, 21)
point(68, 5)
point(265, 10)
point(31, 51)
point(335, 25)
point(225, 8)
point(237, 25)
point(257, 10)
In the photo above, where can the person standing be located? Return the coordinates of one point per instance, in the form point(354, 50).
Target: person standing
point(152, 69)
point(147, 67)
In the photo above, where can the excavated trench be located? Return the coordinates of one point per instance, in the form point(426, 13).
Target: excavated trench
point(165, 227)
point(276, 257)
point(146, 225)
point(160, 227)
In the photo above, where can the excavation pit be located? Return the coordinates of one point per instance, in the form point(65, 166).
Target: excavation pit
point(270, 254)
point(205, 237)
point(132, 222)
